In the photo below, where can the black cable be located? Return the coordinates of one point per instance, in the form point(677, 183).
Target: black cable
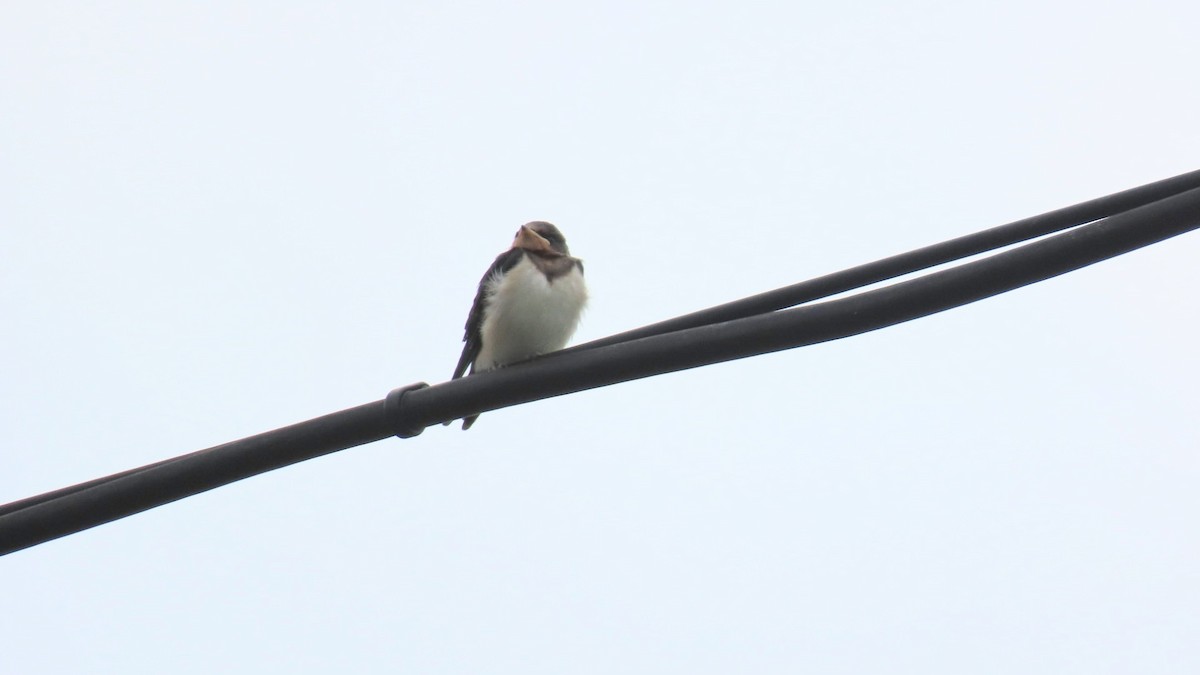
point(837, 282)
point(915, 260)
point(407, 411)
point(62, 492)
point(570, 371)
point(157, 484)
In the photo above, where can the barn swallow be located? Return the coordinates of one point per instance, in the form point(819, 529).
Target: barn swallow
point(528, 303)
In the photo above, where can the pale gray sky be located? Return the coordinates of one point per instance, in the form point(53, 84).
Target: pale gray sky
point(221, 218)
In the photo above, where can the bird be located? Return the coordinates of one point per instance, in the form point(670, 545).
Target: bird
point(529, 303)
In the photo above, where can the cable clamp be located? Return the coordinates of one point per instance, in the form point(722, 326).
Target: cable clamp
point(396, 418)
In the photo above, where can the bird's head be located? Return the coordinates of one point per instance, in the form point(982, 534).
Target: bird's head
point(541, 238)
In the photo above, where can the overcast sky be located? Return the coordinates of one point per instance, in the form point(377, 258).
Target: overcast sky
point(221, 218)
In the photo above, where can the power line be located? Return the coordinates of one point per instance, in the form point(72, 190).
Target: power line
point(916, 260)
point(1130, 220)
point(569, 371)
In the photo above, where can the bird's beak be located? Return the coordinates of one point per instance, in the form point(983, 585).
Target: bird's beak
point(530, 240)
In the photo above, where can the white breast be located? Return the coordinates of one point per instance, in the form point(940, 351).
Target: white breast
point(529, 315)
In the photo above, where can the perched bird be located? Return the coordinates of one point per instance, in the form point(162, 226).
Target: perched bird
point(529, 303)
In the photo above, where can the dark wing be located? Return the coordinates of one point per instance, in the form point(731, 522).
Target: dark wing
point(473, 337)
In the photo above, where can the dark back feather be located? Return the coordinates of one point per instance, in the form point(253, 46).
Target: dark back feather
point(473, 336)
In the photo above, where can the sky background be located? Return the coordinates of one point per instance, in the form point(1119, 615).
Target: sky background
point(221, 218)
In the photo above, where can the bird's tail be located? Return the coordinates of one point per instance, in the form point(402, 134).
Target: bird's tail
point(467, 422)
